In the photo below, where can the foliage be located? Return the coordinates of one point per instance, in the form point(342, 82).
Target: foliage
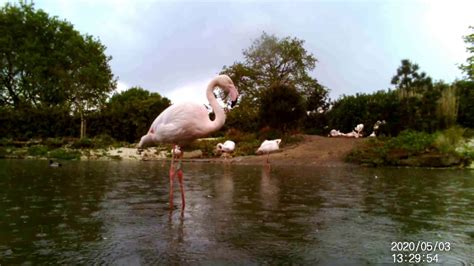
point(26, 122)
point(128, 115)
point(468, 68)
point(270, 62)
point(448, 140)
point(52, 143)
point(411, 141)
point(348, 111)
point(411, 148)
point(281, 107)
point(38, 150)
point(465, 91)
point(45, 63)
point(409, 81)
point(84, 143)
point(448, 103)
point(65, 154)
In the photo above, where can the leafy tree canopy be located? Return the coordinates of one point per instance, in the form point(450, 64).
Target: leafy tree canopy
point(409, 78)
point(271, 61)
point(282, 107)
point(468, 68)
point(45, 62)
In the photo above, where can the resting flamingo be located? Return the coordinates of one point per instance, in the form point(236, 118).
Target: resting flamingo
point(182, 123)
point(226, 148)
point(268, 146)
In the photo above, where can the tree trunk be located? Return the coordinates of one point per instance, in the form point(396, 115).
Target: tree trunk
point(83, 126)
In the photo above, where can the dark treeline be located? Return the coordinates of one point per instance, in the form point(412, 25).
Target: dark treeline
point(56, 82)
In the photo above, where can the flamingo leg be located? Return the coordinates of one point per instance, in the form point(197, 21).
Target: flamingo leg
point(181, 186)
point(181, 181)
point(172, 174)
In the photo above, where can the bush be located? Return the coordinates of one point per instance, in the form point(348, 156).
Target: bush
point(38, 150)
point(238, 136)
point(64, 154)
point(281, 107)
point(447, 140)
point(103, 141)
point(411, 141)
point(83, 143)
point(55, 142)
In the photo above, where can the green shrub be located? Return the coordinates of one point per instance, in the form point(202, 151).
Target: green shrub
point(246, 148)
point(5, 142)
point(83, 143)
point(53, 143)
point(65, 154)
point(103, 141)
point(447, 140)
point(411, 141)
point(38, 150)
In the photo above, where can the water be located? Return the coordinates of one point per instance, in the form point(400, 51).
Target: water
point(117, 213)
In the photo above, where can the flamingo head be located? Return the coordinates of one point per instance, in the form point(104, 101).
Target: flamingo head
point(146, 140)
point(225, 83)
point(218, 148)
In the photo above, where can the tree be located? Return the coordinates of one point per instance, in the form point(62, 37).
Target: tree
point(45, 63)
point(90, 80)
point(466, 103)
point(271, 61)
point(282, 107)
point(468, 68)
point(268, 62)
point(408, 79)
point(130, 113)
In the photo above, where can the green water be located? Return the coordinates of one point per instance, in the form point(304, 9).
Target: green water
point(118, 213)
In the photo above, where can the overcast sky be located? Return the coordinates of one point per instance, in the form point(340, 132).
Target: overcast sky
point(176, 47)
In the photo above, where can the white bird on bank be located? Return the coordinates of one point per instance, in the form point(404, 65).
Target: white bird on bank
point(359, 129)
point(184, 122)
point(268, 146)
point(335, 133)
point(226, 148)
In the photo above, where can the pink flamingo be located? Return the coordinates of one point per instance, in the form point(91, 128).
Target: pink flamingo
point(268, 146)
point(182, 123)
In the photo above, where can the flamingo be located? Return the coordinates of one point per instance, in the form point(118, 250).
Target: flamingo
point(184, 122)
point(226, 148)
point(359, 128)
point(335, 133)
point(268, 146)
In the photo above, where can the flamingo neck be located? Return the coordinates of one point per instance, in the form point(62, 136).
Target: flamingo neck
point(218, 111)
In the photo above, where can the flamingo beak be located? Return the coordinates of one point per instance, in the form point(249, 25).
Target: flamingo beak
point(234, 95)
point(233, 103)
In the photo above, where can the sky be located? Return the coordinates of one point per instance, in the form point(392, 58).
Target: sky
point(176, 47)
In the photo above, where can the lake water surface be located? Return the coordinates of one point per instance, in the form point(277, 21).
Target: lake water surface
point(117, 213)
